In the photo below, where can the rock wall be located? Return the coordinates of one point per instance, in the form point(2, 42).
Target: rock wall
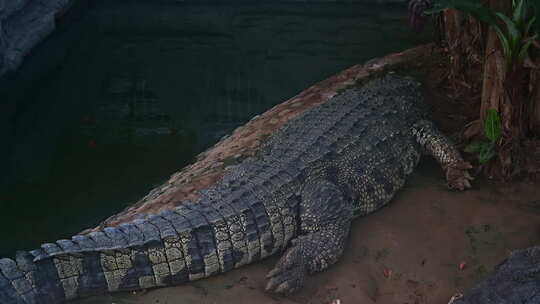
point(23, 24)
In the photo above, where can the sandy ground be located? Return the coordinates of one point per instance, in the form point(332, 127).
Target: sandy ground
point(427, 245)
point(408, 253)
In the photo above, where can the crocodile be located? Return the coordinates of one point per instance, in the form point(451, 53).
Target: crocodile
point(298, 194)
point(515, 280)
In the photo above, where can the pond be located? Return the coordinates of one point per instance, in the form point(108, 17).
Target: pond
point(123, 94)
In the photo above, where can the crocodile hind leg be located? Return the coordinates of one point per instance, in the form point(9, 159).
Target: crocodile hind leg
point(444, 151)
point(325, 218)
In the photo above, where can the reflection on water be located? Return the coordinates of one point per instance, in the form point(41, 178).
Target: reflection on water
point(125, 93)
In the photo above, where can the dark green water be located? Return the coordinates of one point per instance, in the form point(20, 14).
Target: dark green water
point(124, 94)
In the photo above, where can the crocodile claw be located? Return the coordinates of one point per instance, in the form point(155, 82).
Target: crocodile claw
point(458, 177)
point(288, 274)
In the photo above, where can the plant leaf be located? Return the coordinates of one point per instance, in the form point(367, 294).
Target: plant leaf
point(492, 125)
point(486, 153)
point(507, 52)
point(519, 12)
point(524, 48)
point(484, 145)
point(477, 10)
point(473, 147)
point(513, 33)
point(528, 26)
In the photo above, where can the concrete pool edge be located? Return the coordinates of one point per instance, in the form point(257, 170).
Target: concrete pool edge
point(23, 25)
point(244, 141)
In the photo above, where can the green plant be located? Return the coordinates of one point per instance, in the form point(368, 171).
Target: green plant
point(517, 39)
point(486, 150)
point(516, 36)
point(536, 11)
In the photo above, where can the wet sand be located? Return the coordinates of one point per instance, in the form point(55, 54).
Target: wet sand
point(407, 253)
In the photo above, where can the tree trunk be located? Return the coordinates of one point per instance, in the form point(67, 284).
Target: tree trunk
point(505, 89)
point(463, 35)
point(513, 91)
point(493, 94)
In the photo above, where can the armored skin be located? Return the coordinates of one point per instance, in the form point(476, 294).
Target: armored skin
point(340, 160)
point(516, 280)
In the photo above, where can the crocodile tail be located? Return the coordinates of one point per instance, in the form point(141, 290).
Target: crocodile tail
point(17, 286)
point(171, 248)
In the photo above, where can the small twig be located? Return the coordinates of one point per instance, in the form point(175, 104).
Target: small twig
point(455, 297)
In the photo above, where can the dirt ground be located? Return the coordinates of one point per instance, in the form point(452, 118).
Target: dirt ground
point(407, 253)
point(427, 245)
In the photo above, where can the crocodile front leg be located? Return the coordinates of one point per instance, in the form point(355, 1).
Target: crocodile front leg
point(444, 151)
point(325, 218)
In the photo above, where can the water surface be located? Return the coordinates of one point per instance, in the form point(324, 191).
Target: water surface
point(126, 93)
